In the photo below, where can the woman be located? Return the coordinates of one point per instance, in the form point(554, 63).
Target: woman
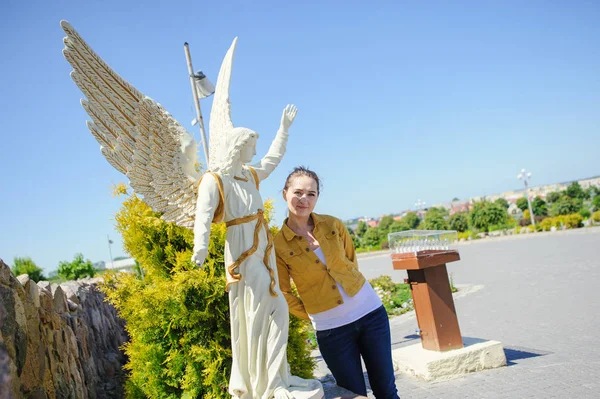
point(317, 253)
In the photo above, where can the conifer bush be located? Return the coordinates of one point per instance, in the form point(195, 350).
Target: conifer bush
point(177, 315)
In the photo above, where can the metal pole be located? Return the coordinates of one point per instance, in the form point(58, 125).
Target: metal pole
point(110, 251)
point(196, 101)
point(529, 202)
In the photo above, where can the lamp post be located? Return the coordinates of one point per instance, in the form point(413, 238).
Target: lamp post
point(201, 88)
point(110, 251)
point(420, 205)
point(525, 176)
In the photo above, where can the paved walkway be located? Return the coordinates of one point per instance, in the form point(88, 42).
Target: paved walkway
point(539, 296)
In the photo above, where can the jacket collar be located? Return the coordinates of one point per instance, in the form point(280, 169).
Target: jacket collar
point(289, 233)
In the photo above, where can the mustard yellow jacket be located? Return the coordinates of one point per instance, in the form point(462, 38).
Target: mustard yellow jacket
point(316, 283)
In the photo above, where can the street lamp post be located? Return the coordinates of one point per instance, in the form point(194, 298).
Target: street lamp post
point(420, 205)
point(201, 88)
point(110, 251)
point(525, 176)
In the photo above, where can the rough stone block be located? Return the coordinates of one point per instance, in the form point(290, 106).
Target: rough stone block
point(429, 365)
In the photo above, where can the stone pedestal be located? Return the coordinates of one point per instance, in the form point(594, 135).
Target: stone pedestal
point(428, 365)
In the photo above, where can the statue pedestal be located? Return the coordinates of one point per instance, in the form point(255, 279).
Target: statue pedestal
point(313, 391)
point(476, 355)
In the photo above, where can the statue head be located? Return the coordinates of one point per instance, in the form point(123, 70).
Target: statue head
point(249, 149)
point(240, 148)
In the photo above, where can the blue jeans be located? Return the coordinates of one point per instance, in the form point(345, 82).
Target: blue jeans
point(370, 338)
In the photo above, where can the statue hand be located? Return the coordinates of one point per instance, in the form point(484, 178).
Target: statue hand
point(199, 256)
point(288, 116)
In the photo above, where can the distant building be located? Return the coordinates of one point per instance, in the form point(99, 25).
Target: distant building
point(121, 265)
point(100, 265)
point(460, 206)
point(587, 183)
point(352, 226)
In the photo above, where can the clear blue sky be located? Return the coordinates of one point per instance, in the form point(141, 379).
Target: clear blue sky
point(397, 101)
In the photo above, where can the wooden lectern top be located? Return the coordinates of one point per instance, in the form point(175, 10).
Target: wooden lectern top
point(423, 259)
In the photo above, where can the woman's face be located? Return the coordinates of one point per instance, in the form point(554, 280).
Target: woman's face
point(301, 195)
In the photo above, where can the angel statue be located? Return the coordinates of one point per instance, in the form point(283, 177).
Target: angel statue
point(143, 141)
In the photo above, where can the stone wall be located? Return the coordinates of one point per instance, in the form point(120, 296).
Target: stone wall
point(58, 341)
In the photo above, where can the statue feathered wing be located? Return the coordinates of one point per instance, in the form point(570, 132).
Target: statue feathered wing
point(220, 115)
point(136, 134)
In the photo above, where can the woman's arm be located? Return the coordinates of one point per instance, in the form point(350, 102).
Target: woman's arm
point(347, 241)
point(294, 303)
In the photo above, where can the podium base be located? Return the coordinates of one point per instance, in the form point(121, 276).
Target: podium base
point(427, 365)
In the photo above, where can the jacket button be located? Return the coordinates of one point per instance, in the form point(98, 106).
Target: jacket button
point(318, 261)
point(291, 253)
point(333, 286)
point(307, 250)
point(333, 232)
point(339, 302)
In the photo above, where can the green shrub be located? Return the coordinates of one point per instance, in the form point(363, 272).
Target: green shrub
point(77, 269)
point(459, 222)
point(566, 206)
point(548, 223)
point(464, 234)
point(539, 207)
point(572, 221)
point(177, 316)
point(368, 249)
point(392, 294)
point(596, 203)
point(585, 213)
point(435, 219)
point(27, 266)
point(507, 225)
point(596, 216)
point(485, 214)
point(553, 197)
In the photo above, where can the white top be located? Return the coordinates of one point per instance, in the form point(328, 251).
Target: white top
point(353, 308)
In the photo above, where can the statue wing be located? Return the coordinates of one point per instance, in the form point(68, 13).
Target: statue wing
point(137, 136)
point(220, 115)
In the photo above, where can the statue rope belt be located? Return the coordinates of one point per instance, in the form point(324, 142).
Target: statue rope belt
point(233, 275)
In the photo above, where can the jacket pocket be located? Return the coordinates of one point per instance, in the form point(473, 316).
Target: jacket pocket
point(294, 259)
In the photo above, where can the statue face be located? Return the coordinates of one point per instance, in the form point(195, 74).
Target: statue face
point(249, 150)
point(301, 196)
